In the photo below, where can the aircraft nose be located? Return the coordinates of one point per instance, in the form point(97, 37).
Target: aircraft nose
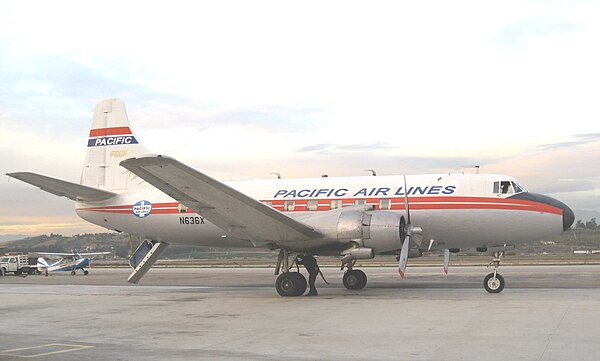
point(568, 216)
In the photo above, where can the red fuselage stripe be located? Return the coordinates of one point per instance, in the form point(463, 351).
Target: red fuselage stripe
point(416, 203)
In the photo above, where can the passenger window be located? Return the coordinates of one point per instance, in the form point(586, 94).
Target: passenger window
point(384, 204)
point(268, 203)
point(288, 206)
point(360, 202)
point(312, 205)
point(181, 208)
point(336, 203)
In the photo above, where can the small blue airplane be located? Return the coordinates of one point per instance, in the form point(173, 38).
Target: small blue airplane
point(67, 261)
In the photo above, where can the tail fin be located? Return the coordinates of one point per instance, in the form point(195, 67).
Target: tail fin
point(111, 140)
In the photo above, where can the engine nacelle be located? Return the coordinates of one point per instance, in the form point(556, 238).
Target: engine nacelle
point(381, 231)
point(386, 231)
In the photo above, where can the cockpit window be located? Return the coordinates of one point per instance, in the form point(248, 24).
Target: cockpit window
point(503, 187)
point(508, 187)
point(518, 188)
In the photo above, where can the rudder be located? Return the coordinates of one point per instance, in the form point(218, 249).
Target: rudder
point(110, 141)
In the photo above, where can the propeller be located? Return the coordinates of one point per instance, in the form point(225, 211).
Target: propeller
point(446, 260)
point(412, 234)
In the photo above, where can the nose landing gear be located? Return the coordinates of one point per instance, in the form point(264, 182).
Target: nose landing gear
point(494, 282)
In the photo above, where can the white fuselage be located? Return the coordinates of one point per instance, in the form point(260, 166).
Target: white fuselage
point(454, 210)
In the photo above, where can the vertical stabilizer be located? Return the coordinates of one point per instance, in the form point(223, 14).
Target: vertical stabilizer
point(110, 141)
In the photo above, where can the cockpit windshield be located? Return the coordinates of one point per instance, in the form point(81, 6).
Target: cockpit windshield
point(518, 188)
point(508, 187)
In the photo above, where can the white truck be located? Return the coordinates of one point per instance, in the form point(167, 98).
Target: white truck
point(15, 263)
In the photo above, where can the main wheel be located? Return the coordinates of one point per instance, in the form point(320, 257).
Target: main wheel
point(72, 273)
point(355, 279)
point(493, 284)
point(290, 284)
point(85, 272)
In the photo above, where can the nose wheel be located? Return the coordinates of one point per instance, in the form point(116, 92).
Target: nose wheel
point(494, 282)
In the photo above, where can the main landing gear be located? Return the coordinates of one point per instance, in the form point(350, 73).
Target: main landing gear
point(288, 283)
point(291, 284)
point(85, 272)
point(353, 279)
point(494, 282)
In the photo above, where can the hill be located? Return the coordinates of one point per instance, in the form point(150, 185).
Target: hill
point(121, 245)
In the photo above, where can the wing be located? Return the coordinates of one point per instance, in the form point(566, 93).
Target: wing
point(92, 253)
point(53, 254)
point(234, 212)
point(62, 188)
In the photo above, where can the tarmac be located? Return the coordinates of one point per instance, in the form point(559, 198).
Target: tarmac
point(544, 313)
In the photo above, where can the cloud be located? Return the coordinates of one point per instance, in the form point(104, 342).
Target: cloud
point(346, 148)
point(568, 170)
point(579, 139)
point(517, 34)
point(270, 118)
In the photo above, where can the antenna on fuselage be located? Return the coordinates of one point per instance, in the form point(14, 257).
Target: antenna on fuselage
point(277, 174)
point(372, 171)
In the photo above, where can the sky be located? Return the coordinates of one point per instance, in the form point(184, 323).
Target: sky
point(303, 89)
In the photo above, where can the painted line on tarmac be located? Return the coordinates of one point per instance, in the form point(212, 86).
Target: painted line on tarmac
point(43, 350)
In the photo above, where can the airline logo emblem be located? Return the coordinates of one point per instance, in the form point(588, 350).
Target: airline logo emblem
point(142, 209)
point(111, 136)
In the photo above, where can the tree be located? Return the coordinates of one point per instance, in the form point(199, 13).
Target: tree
point(580, 224)
point(591, 224)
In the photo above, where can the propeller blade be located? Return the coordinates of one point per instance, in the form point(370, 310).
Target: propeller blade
point(446, 260)
point(403, 256)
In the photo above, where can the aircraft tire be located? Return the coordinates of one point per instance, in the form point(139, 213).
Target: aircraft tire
point(493, 285)
point(355, 280)
point(2, 272)
point(72, 273)
point(303, 284)
point(85, 272)
point(290, 284)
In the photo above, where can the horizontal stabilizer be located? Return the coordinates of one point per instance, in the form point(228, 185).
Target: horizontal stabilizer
point(61, 188)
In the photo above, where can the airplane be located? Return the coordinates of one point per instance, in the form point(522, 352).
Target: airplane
point(67, 261)
point(160, 199)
